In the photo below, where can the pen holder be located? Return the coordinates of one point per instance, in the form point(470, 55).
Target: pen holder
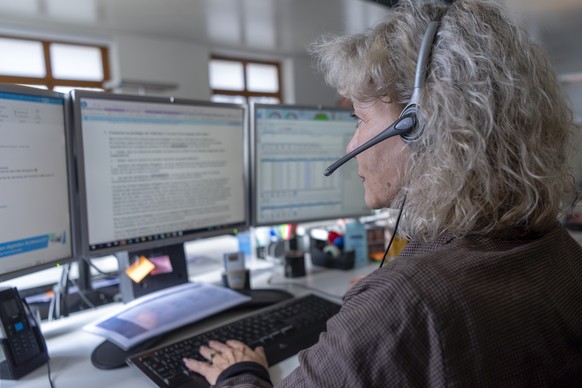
point(294, 264)
point(238, 279)
point(323, 255)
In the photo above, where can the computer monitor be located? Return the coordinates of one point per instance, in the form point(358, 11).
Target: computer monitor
point(291, 146)
point(158, 171)
point(36, 197)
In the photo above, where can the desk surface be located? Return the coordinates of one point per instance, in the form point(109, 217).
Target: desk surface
point(70, 347)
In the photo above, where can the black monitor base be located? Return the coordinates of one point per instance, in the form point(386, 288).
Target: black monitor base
point(107, 355)
point(262, 297)
point(110, 356)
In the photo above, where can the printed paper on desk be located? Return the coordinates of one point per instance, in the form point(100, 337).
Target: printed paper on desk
point(139, 269)
point(161, 311)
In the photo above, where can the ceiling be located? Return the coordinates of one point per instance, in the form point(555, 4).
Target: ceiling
point(273, 27)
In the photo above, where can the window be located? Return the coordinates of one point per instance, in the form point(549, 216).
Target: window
point(245, 81)
point(59, 66)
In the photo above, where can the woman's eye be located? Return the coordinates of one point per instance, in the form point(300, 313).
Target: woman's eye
point(358, 120)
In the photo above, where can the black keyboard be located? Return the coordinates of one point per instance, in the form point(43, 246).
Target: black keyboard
point(282, 329)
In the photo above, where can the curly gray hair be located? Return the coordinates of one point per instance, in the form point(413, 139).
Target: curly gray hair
point(494, 153)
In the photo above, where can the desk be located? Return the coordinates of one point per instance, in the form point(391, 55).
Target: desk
point(70, 347)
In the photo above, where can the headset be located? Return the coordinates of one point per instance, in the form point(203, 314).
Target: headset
point(407, 125)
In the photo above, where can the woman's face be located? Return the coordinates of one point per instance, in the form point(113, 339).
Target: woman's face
point(382, 166)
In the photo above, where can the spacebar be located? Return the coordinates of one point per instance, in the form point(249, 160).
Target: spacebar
point(285, 347)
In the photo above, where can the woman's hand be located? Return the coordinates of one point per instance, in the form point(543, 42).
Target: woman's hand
point(221, 356)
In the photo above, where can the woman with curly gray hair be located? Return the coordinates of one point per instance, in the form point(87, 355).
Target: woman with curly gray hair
point(488, 290)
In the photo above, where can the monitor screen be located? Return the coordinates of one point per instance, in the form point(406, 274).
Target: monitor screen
point(291, 147)
point(35, 193)
point(158, 171)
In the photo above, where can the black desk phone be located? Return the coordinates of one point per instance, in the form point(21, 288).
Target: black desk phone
point(23, 348)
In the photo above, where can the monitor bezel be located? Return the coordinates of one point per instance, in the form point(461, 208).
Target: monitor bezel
point(254, 164)
point(84, 246)
point(71, 180)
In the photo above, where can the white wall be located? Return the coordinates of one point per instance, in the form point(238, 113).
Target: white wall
point(184, 64)
point(574, 92)
point(310, 88)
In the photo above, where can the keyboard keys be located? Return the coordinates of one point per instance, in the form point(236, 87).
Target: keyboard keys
point(283, 329)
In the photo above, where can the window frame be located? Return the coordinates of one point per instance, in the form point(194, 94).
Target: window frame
point(247, 94)
point(51, 82)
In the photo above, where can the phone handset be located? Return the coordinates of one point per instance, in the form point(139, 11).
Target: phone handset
point(22, 344)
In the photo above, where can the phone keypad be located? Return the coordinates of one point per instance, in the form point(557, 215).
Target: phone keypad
point(22, 341)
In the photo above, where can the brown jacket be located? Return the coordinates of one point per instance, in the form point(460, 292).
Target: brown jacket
point(503, 311)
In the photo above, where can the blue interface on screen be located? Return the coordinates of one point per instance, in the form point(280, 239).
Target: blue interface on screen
point(34, 195)
point(293, 146)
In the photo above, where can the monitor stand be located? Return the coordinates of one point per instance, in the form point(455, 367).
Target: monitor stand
point(108, 355)
point(262, 297)
point(170, 270)
point(87, 295)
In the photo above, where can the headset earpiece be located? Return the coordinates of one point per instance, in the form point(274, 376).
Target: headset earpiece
point(412, 108)
point(416, 131)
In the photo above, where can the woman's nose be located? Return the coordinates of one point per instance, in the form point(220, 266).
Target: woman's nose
point(352, 144)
